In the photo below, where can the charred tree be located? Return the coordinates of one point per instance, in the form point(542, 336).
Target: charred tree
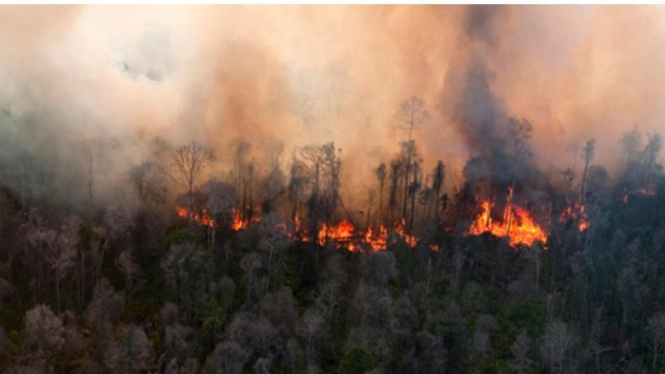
point(587, 156)
point(410, 115)
point(381, 173)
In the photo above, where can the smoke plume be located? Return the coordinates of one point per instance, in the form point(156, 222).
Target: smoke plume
point(312, 74)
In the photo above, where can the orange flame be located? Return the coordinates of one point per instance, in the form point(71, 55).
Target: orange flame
point(576, 212)
point(238, 223)
point(517, 224)
point(202, 219)
point(399, 229)
point(378, 241)
point(347, 236)
point(344, 234)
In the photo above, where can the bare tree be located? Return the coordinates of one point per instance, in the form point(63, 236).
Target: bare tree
point(102, 313)
point(273, 184)
point(520, 351)
point(310, 327)
point(437, 185)
point(656, 327)
point(381, 173)
point(43, 328)
point(119, 220)
point(273, 232)
point(587, 156)
point(190, 161)
point(250, 264)
point(652, 150)
point(148, 179)
point(414, 188)
point(556, 343)
point(323, 161)
point(129, 269)
point(228, 358)
point(221, 199)
point(410, 115)
point(632, 146)
point(299, 174)
point(92, 152)
point(58, 250)
point(396, 167)
point(65, 258)
point(133, 353)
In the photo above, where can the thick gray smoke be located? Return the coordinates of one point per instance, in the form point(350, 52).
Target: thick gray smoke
point(72, 76)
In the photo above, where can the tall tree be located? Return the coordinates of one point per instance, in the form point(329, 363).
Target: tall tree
point(437, 185)
point(148, 179)
point(93, 152)
point(381, 173)
point(652, 150)
point(587, 156)
point(396, 166)
point(298, 176)
point(190, 161)
point(410, 115)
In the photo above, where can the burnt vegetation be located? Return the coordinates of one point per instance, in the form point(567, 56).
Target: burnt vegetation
point(264, 269)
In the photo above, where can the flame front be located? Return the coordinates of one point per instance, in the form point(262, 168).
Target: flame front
point(202, 219)
point(344, 234)
point(517, 225)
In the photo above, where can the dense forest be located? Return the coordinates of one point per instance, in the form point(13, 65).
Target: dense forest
point(264, 269)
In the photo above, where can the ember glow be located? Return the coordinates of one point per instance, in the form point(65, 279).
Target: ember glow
point(345, 235)
point(647, 191)
point(576, 212)
point(202, 218)
point(342, 232)
point(516, 224)
point(238, 222)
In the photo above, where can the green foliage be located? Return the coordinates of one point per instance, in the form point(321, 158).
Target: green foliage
point(528, 314)
point(356, 361)
point(180, 236)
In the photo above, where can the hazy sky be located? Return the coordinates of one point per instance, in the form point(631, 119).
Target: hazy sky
point(303, 74)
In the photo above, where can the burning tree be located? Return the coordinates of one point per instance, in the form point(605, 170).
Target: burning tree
point(324, 165)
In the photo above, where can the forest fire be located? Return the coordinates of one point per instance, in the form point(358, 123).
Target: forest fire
point(377, 241)
point(344, 231)
point(202, 219)
point(399, 230)
point(576, 212)
point(516, 224)
point(649, 191)
point(238, 222)
point(345, 234)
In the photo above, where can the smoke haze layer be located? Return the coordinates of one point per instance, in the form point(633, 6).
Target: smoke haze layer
point(312, 74)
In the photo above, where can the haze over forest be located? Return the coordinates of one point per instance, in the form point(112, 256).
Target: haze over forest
point(332, 189)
